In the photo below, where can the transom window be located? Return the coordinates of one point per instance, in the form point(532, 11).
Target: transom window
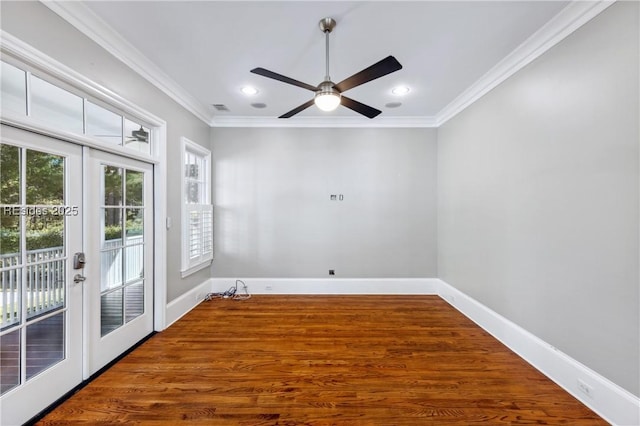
point(25, 94)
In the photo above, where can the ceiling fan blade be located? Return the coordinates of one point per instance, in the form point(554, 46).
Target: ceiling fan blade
point(270, 74)
point(377, 70)
point(297, 110)
point(359, 107)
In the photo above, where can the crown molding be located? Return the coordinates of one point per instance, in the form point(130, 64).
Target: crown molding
point(237, 121)
point(12, 46)
point(86, 21)
point(573, 16)
point(569, 19)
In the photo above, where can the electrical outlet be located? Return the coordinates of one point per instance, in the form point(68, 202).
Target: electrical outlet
point(268, 287)
point(585, 388)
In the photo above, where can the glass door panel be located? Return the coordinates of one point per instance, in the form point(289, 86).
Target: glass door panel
point(122, 296)
point(40, 306)
point(122, 247)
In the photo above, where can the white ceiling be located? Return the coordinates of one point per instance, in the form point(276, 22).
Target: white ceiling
point(208, 47)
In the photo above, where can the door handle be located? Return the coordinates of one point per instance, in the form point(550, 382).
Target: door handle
point(79, 278)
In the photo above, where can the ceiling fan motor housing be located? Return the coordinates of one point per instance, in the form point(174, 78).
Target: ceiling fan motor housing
point(327, 97)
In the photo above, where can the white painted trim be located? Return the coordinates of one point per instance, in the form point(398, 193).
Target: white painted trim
point(608, 400)
point(180, 306)
point(86, 21)
point(420, 286)
point(329, 121)
point(160, 231)
point(23, 52)
point(27, 54)
point(32, 125)
point(195, 268)
point(573, 16)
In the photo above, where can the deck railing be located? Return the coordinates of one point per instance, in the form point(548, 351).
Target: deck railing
point(45, 283)
point(45, 276)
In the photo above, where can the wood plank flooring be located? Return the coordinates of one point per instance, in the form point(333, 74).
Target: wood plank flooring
point(323, 360)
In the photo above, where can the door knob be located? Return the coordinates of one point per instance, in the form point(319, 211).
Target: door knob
point(79, 278)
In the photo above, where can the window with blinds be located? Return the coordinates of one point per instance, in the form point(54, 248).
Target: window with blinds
point(197, 212)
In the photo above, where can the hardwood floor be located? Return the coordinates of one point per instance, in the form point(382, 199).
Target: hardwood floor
point(325, 360)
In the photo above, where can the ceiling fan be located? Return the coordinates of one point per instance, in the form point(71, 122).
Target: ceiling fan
point(328, 95)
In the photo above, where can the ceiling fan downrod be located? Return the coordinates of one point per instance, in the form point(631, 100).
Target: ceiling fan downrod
point(327, 25)
point(327, 97)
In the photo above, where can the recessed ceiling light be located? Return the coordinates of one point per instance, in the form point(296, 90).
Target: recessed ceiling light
point(249, 90)
point(400, 90)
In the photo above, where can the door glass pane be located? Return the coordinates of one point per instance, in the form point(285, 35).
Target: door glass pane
point(45, 178)
point(134, 301)
point(9, 361)
point(111, 311)
point(45, 235)
point(135, 187)
point(13, 89)
point(45, 287)
point(10, 234)
point(103, 124)
point(45, 344)
point(56, 107)
point(112, 186)
point(111, 269)
point(134, 225)
point(112, 227)
point(134, 266)
point(10, 240)
point(136, 136)
point(9, 174)
point(122, 289)
point(44, 269)
point(10, 298)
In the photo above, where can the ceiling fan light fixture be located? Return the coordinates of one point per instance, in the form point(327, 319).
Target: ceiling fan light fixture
point(327, 98)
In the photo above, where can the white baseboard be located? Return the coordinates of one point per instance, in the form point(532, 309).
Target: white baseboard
point(333, 285)
point(608, 400)
point(178, 307)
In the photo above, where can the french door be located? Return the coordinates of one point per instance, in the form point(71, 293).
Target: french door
point(76, 262)
point(120, 221)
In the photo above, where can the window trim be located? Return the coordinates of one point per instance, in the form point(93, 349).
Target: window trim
point(187, 266)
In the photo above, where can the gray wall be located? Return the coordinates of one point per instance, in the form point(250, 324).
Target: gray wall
point(274, 217)
point(538, 197)
point(37, 25)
